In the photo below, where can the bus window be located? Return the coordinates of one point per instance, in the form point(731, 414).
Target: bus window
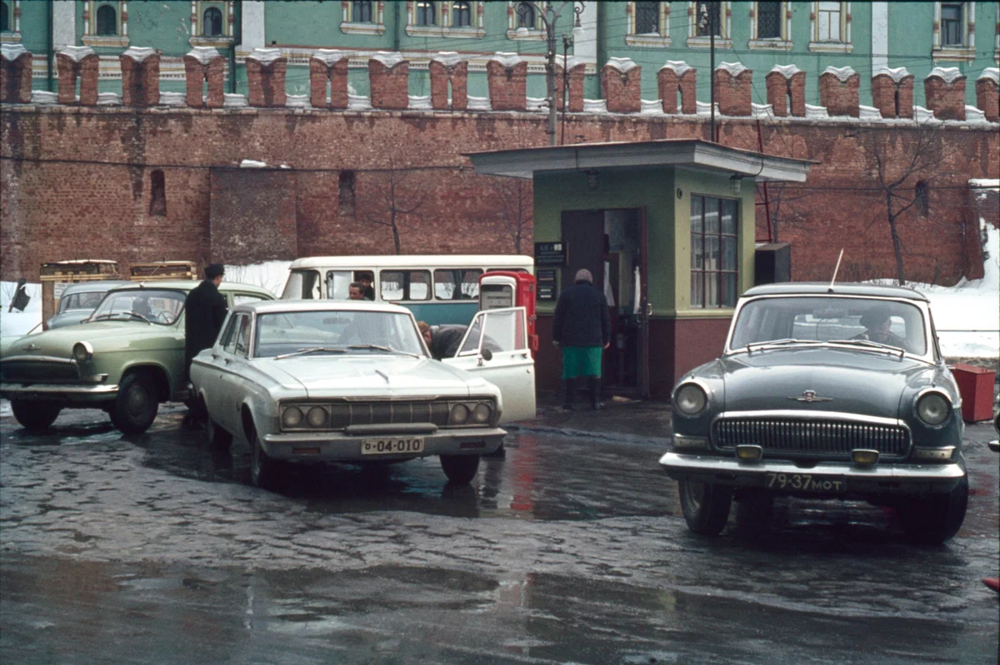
point(457, 284)
point(338, 283)
point(302, 284)
point(398, 285)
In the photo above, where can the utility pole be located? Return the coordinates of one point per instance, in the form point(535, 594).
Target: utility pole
point(549, 16)
point(707, 21)
point(567, 42)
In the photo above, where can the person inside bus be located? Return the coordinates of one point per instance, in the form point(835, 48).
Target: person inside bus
point(356, 291)
point(366, 278)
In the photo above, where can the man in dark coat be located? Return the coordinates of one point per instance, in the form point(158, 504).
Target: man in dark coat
point(442, 341)
point(206, 310)
point(582, 328)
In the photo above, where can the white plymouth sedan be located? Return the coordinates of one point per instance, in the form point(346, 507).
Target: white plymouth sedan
point(353, 382)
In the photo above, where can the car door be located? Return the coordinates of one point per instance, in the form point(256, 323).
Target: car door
point(234, 359)
point(210, 374)
point(510, 367)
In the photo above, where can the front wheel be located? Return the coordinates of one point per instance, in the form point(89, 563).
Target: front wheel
point(705, 506)
point(265, 472)
point(460, 469)
point(35, 416)
point(136, 405)
point(935, 518)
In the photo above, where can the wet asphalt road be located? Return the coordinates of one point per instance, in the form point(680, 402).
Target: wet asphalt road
point(155, 549)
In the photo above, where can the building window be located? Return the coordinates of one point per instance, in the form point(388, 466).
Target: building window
point(211, 23)
point(951, 24)
point(647, 18)
point(768, 20)
point(346, 192)
point(4, 17)
point(461, 15)
point(107, 21)
point(361, 12)
point(648, 24)
point(526, 16)
point(157, 194)
point(426, 14)
point(828, 28)
point(714, 252)
point(708, 19)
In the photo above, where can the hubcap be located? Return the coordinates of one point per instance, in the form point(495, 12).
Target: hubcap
point(695, 494)
point(138, 401)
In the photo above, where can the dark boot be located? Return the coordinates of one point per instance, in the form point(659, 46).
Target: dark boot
point(595, 392)
point(570, 385)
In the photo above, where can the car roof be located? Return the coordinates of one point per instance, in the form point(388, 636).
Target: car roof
point(271, 306)
point(839, 289)
point(188, 284)
point(96, 285)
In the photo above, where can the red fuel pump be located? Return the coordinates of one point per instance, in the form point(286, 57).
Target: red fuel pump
point(510, 289)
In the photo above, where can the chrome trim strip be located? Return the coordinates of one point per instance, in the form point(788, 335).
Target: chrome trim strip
point(47, 359)
point(21, 388)
point(393, 428)
point(812, 415)
point(916, 472)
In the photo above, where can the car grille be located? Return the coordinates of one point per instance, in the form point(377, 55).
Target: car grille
point(811, 438)
point(344, 415)
point(38, 371)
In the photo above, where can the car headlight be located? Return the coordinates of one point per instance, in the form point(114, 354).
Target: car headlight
point(690, 399)
point(459, 414)
point(316, 416)
point(292, 417)
point(82, 352)
point(933, 409)
point(482, 413)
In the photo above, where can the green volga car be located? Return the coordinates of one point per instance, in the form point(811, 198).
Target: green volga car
point(125, 359)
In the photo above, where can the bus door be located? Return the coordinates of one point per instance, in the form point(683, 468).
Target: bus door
point(496, 348)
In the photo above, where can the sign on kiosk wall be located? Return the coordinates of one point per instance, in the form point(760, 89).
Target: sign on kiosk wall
point(502, 289)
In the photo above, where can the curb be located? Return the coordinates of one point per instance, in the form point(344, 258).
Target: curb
point(585, 434)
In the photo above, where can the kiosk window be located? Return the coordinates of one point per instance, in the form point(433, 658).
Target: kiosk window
point(405, 284)
point(457, 284)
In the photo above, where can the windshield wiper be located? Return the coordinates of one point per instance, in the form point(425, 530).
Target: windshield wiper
point(867, 343)
point(312, 349)
point(110, 315)
point(378, 347)
point(778, 342)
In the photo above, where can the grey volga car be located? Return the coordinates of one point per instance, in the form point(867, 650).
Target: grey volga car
point(78, 302)
point(352, 382)
point(823, 392)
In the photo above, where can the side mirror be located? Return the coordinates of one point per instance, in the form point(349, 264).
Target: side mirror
point(486, 354)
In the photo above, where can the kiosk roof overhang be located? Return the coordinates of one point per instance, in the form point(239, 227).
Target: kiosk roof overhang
point(683, 153)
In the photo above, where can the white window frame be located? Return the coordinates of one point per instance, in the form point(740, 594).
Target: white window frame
point(781, 43)
point(965, 52)
point(376, 27)
point(12, 36)
point(660, 39)
point(90, 36)
point(444, 28)
point(198, 8)
point(843, 45)
point(723, 40)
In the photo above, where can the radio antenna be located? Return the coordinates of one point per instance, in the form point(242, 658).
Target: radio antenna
point(836, 270)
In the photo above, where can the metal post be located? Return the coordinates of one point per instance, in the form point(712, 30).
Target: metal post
point(567, 42)
point(711, 69)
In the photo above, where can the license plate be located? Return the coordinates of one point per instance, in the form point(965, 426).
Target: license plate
point(391, 446)
point(806, 482)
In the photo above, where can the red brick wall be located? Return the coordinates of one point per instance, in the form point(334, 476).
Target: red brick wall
point(252, 215)
point(55, 211)
point(947, 101)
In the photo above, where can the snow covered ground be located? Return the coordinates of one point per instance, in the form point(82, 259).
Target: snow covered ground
point(967, 315)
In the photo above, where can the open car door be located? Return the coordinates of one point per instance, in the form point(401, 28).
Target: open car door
point(496, 348)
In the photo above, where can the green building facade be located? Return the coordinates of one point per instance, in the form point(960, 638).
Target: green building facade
point(812, 35)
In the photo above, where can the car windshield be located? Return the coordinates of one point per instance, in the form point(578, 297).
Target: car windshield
point(86, 300)
point(335, 331)
point(157, 306)
point(862, 322)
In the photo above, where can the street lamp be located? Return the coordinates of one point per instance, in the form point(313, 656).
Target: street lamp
point(549, 15)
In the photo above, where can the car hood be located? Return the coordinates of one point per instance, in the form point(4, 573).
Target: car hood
point(845, 380)
point(380, 375)
point(101, 335)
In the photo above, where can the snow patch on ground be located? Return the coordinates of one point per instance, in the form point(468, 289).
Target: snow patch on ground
point(15, 323)
point(270, 275)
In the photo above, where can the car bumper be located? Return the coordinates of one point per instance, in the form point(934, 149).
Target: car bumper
point(879, 479)
point(336, 447)
point(55, 392)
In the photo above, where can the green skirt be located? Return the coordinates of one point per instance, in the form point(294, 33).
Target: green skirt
point(581, 361)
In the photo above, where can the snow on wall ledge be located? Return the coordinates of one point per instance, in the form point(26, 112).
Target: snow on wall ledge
point(16, 68)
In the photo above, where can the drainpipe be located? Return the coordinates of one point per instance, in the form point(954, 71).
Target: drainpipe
point(49, 44)
point(395, 28)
